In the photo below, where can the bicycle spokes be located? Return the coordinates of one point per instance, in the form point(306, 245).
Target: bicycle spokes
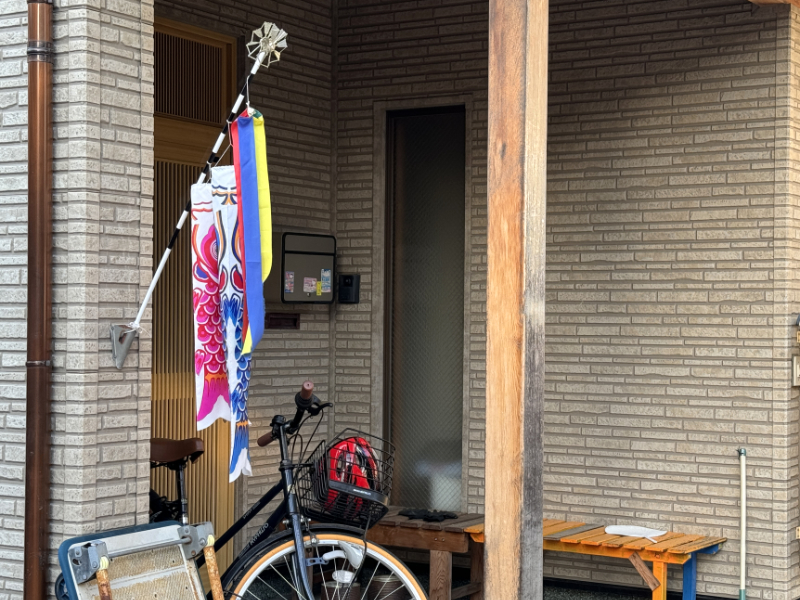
point(337, 571)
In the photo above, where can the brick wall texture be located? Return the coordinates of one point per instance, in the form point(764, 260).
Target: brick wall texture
point(671, 270)
point(672, 254)
point(102, 260)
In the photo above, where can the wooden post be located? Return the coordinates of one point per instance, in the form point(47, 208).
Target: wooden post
point(441, 575)
point(476, 568)
point(517, 179)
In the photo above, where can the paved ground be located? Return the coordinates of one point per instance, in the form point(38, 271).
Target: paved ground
point(557, 592)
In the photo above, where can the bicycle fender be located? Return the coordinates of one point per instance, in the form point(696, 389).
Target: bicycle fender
point(279, 537)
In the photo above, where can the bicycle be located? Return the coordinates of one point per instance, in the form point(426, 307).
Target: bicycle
point(323, 553)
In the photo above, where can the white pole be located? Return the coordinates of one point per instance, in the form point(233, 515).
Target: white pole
point(743, 526)
point(157, 275)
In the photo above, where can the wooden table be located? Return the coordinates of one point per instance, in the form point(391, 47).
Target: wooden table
point(442, 540)
point(669, 549)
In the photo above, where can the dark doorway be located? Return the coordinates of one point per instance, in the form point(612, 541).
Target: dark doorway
point(425, 302)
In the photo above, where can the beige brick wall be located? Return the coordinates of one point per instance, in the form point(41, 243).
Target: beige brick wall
point(103, 172)
point(667, 350)
point(102, 261)
point(787, 200)
point(670, 282)
point(672, 252)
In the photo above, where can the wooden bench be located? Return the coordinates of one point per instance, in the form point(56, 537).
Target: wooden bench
point(669, 549)
point(466, 535)
point(442, 540)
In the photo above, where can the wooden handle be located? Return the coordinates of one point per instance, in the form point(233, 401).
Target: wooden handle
point(307, 390)
point(103, 582)
point(213, 569)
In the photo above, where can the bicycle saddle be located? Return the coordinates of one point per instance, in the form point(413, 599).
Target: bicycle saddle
point(163, 450)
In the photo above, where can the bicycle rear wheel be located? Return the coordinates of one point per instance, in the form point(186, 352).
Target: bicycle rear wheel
point(271, 574)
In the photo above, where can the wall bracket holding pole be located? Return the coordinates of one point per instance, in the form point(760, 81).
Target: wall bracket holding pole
point(265, 47)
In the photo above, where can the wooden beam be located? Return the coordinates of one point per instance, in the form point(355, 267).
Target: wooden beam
point(517, 179)
point(765, 2)
point(423, 539)
point(644, 571)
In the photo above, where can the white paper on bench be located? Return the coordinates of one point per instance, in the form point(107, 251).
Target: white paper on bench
point(634, 531)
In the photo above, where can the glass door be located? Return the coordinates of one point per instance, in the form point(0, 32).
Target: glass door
point(425, 301)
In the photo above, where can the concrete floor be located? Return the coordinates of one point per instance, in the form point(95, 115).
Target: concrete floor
point(558, 592)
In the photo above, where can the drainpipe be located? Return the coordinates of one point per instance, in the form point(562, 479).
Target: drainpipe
point(743, 525)
point(40, 231)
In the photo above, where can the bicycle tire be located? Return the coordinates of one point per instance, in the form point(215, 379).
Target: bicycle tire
point(248, 580)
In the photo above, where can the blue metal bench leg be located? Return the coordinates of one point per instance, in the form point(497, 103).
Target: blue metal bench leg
point(690, 578)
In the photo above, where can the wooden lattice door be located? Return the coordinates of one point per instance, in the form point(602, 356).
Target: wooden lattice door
point(193, 88)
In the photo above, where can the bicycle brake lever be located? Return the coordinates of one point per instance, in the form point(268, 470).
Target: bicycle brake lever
point(318, 408)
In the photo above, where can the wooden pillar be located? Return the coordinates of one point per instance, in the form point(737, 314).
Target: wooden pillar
point(517, 182)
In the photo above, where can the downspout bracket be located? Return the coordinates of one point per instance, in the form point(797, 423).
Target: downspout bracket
point(39, 363)
point(40, 51)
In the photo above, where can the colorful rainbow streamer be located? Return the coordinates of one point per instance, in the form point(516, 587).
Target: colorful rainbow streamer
point(250, 161)
point(232, 289)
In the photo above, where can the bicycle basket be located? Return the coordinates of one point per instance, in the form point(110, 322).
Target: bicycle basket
point(347, 480)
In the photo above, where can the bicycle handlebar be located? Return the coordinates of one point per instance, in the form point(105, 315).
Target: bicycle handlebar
point(305, 395)
point(304, 400)
point(266, 439)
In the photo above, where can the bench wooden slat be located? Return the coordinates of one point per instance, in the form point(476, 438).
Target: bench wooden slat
point(678, 541)
point(645, 543)
point(557, 535)
point(462, 526)
point(599, 539)
point(392, 521)
point(705, 542)
point(440, 525)
point(563, 526)
point(548, 522)
point(621, 541)
point(474, 528)
point(576, 538)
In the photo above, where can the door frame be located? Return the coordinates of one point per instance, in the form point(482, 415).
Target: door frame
point(187, 142)
point(380, 196)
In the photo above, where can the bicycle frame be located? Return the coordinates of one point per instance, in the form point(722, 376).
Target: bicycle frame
point(289, 509)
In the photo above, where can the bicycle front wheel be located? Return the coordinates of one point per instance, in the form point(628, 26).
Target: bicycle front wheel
point(338, 567)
